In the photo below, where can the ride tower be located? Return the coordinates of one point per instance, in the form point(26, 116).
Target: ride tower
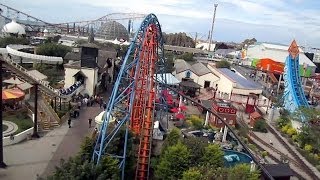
point(133, 99)
point(294, 96)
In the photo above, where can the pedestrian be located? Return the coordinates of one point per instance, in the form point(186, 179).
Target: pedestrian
point(79, 104)
point(90, 121)
point(69, 122)
point(101, 102)
point(11, 137)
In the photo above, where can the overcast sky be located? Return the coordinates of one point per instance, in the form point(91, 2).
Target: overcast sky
point(267, 20)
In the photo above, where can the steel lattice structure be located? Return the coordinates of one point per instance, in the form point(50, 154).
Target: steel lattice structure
point(294, 96)
point(133, 97)
point(75, 27)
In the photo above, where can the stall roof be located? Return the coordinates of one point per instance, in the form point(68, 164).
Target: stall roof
point(279, 170)
point(171, 79)
point(242, 83)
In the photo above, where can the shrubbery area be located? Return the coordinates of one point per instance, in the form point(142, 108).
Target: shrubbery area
point(192, 158)
point(307, 139)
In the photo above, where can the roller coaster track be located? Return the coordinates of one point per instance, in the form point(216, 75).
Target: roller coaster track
point(296, 161)
point(294, 94)
point(23, 73)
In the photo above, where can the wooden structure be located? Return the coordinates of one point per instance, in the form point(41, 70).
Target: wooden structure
point(225, 110)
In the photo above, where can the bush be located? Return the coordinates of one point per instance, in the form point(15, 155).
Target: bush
point(282, 121)
point(264, 154)
point(291, 131)
point(260, 126)
point(308, 148)
point(53, 49)
point(318, 167)
point(196, 122)
point(223, 64)
point(285, 128)
point(295, 138)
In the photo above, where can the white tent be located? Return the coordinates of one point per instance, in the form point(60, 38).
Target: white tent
point(99, 119)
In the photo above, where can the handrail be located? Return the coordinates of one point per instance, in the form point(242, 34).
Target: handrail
point(46, 107)
point(47, 59)
point(22, 69)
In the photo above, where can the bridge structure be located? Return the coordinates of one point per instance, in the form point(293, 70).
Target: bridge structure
point(82, 27)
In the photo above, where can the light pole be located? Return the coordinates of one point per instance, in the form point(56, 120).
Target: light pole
point(2, 164)
point(212, 26)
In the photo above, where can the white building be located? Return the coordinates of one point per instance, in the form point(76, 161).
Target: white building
point(231, 83)
point(200, 73)
point(74, 72)
point(13, 28)
point(277, 53)
point(205, 46)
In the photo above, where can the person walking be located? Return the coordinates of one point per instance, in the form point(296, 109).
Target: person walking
point(69, 122)
point(90, 121)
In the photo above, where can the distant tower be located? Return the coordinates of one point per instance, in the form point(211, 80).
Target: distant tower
point(91, 36)
point(213, 20)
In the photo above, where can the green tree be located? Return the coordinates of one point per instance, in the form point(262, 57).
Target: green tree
point(310, 115)
point(223, 64)
point(53, 49)
point(242, 172)
point(192, 174)
point(169, 63)
point(178, 39)
point(173, 138)
point(197, 149)
point(213, 156)
point(260, 126)
point(186, 56)
point(173, 163)
point(13, 40)
point(196, 121)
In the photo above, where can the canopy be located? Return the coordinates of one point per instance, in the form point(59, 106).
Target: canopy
point(13, 80)
point(99, 119)
point(14, 93)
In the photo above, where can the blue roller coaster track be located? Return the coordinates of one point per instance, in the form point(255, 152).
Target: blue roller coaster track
point(294, 96)
point(120, 105)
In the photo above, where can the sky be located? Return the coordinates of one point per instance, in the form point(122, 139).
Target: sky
point(277, 21)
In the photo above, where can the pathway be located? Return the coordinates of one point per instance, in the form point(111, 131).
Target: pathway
point(28, 159)
point(12, 127)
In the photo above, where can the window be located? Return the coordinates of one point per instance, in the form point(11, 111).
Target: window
point(188, 74)
point(206, 84)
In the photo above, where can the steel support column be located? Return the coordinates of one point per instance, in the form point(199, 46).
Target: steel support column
point(35, 122)
point(2, 164)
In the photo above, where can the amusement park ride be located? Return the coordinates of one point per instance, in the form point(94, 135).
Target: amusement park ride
point(137, 93)
point(76, 27)
point(135, 96)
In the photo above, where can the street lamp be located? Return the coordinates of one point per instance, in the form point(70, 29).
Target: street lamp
point(2, 164)
point(212, 25)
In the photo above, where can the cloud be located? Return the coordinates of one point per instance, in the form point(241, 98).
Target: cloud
point(277, 20)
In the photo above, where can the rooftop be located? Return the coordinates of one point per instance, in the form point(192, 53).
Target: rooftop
point(241, 82)
point(275, 52)
point(200, 69)
point(279, 170)
point(37, 74)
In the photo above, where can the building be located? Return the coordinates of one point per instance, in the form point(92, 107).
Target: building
point(200, 73)
point(85, 70)
point(113, 30)
point(232, 84)
point(278, 53)
point(224, 110)
point(13, 29)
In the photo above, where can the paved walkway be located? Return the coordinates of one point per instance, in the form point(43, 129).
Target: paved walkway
point(12, 127)
point(28, 159)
